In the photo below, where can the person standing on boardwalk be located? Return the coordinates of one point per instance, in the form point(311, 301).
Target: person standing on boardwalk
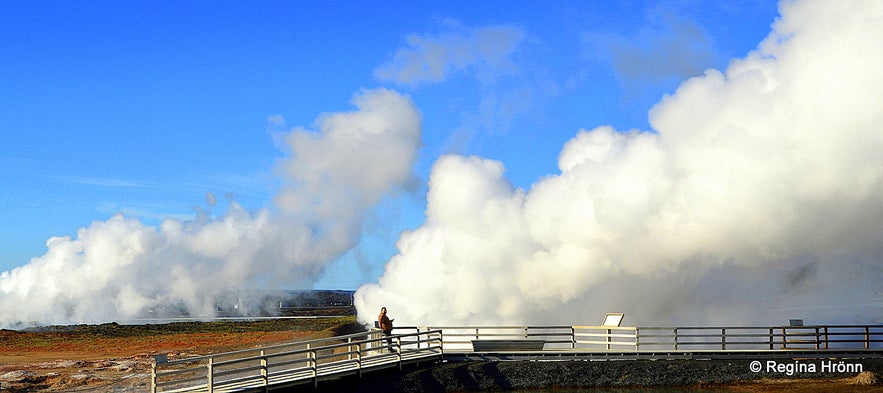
point(386, 325)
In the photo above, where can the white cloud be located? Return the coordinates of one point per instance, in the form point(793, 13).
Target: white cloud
point(757, 197)
point(107, 182)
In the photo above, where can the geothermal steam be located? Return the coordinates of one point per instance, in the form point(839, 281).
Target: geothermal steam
point(757, 196)
point(120, 267)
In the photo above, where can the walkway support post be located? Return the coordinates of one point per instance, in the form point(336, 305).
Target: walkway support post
point(265, 375)
point(826, 337)
point(314, 367)
point(152, 378)
point(359, 357)
point(211, 379)
point(608, 338)
point(573, 337)
point(637, 339)
point(399, 351)
point(349, 349)
point(676, 338)
point(724, 339)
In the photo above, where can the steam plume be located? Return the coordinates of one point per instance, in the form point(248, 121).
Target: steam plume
point(120, 267)
point(755, 197)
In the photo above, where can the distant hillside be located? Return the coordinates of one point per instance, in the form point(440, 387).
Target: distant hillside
point(264, 303)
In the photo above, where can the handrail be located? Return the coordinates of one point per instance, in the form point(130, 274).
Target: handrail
point(312, 359)
point(724, 338)
point(307, 363)
point(761, 337)
point(286, 345)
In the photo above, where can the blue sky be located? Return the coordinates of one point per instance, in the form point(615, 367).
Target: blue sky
point(143, 108)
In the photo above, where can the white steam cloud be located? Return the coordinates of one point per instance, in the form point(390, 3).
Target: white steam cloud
point(120, 267)
point(757, 196)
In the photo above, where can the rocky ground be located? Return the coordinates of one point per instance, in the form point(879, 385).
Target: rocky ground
point(629, 376)
point(118, 358)
point(110, 375)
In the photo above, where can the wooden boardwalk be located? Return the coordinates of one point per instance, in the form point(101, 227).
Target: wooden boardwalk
point(309, 362)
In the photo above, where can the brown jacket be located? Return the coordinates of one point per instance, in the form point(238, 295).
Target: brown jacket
point(385, 322)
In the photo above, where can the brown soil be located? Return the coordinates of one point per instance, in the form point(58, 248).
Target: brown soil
point(864, 382)
point(117, 358)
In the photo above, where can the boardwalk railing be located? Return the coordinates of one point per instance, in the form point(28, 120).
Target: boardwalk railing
point(589, 338)
point(459, 338)
point(294, 363)
point(309, 361)
point(760, 338)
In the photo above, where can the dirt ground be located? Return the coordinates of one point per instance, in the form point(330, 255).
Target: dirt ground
point(117, 358)
point(864, 382)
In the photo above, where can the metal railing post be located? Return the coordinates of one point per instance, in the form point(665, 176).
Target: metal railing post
point(152, 378)
point(784, 333)
point(723, 339)
point(314, 366)
point(867, 337)
point(637, 339)
point(608, 339)
point(211, 382)
point(676, 338)
point(359, 358)
point(349, 348)
point(398, 343)
point(572, 337)
point(441, 343)
point(826, 337)
point(265, 375)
